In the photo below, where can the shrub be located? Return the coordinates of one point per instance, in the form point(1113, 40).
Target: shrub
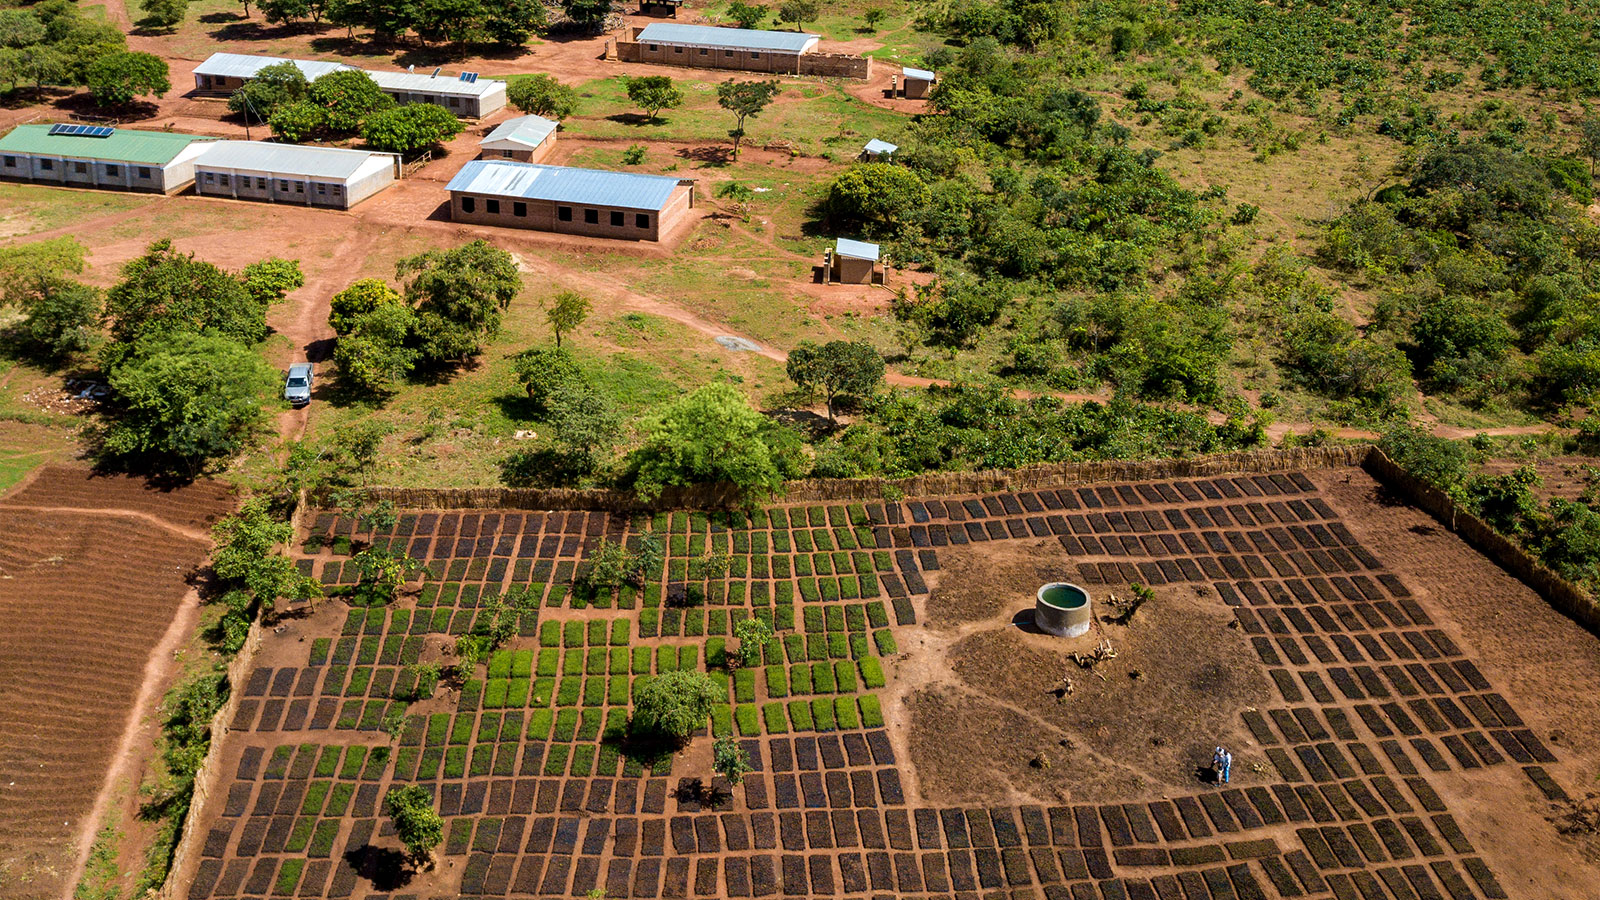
point(673, 705)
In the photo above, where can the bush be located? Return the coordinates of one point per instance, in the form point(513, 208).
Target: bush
point(410, 128)
point(673, 705)
point(542, 95)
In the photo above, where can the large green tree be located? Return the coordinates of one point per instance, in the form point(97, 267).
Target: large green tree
point(117, 79)
point(876, 197)
point(653, 93)
point(410, 128)
point(712, 435)
point(346, 98)
point(673, 705)
point(164, 293)
point(190, 401)
point(460, 296)
point(361, 297)
point(416, 823)
point(276, 85)
point(375, 352)
point(163, 14)
point(851, 368)
point(542, 95)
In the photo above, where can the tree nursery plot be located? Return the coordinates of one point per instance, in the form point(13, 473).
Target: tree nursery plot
point(1330, 642)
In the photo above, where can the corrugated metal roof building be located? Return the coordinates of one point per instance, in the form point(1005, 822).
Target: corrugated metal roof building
point(287, 173)
point(916, 83)
point(705, 46)
point(568, 200)
point(120, 159)
point(876, 149)
point(525, 139)
point(855, 262)
point(468, 96)
point(226, 72)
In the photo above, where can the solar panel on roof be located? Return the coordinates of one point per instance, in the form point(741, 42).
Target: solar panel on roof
point(469, 77)
point(96, 131)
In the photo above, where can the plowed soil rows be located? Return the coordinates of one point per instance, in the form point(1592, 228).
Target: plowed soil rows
point(84, 597)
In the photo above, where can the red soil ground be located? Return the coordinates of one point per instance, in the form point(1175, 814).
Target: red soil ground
point(93, 570)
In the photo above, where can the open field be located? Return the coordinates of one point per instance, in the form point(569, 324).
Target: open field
point(94, 571)
point(1406, 720)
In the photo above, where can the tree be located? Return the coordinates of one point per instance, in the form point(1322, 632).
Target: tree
point(20, 28)
point(374, 354)
point(542, 95)
point(874, 17)
point(587, 15)
point(164, 293)
point(297, 122)
point(407, 129)
point(163, 14)
point(63, 318)
point(746, 15)
point(746, 100)
point(510, 23)
point(567, 312)
point(346, 98)
point(653, 93)
point(459, 296)
point(270, 280)
point(276, 85)
point(753, 634)
point(1589, 139)
point(245, 556)
point(797, 11)
point(713, 436)
point(284, 12)
point(542, 371)
point(740, 194)
point(115, 79)
point(673, 705)
point(730, 760)
point(191, 400)
point(416, 823)
point(837, 367)
point(360, 298)
point(876, 196)
point(449, 21)
point(584, 422)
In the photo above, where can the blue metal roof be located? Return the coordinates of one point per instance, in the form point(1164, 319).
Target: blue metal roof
point(530, 131)
point(919, 74)
point(563, 184)
point(857, 249)
point(726, 38)
point(877, 147)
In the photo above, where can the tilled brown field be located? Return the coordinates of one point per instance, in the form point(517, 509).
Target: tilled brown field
point(84, 597)
point(1407, 722)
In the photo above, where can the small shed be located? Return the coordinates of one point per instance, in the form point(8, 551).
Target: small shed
point(916, 83)
point(855, 262)
point(568, 200)
point(99, 156)
point(286, 173)
point(878, 151)
point(524, 139)
point(464, 94)
point(227, 72)
point(668, 8)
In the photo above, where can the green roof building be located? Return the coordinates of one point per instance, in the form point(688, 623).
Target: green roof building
point(97, 156)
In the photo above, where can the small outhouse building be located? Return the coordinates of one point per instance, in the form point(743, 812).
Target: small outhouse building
point(524, 139)
point(855, 262)
point(915, 84)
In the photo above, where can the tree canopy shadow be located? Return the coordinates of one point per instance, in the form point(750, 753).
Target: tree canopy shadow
point(630, 118)
point(385, 867)
point(709, 156)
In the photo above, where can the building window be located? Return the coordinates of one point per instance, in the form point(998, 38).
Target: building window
point(591, 217)
point(654, 48)
point(283, 186)
point(702, 51)
point(641, 220)
point(564, 213)
point(211, 178)
point(261, 184)
point(80, 168)
point(113, 171)
point(322, 189)
point(491, 206)
point(299, 187)
point(468, 204)
point(519, 209)
point(677, 49)
point(728, 53)
point(144, 172)
point(455, 101)
point(754, 55)
point(616, 219)
point(222, 180)
point(507, 153)
point(336, 190)
point(11, 162)
point(47, 164)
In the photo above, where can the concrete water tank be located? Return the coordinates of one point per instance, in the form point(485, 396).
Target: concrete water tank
point(1062, 609)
